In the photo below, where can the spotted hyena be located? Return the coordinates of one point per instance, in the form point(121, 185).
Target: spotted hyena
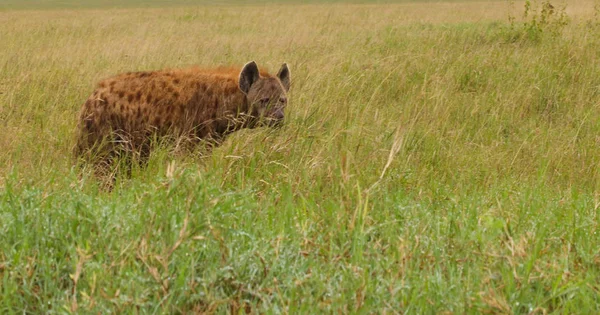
point(126, 112)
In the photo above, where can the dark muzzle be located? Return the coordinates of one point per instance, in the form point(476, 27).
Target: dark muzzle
point(275, 119)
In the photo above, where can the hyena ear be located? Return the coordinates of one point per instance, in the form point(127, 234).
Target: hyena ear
point(248, 76)
point(284, 76)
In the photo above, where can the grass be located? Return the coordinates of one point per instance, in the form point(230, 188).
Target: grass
point(435, 160)
point(95, 4)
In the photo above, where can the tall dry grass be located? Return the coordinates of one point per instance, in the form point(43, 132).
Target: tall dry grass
point(435, 158)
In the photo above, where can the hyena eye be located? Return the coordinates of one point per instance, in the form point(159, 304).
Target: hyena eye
point(282, 100)
point(264, 100)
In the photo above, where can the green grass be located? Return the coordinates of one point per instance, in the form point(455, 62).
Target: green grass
point(432, 161)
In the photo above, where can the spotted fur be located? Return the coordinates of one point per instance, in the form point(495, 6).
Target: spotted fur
point(125, 112)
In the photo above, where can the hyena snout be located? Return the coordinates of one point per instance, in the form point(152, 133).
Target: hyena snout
point(275, 119)
point(278, 114)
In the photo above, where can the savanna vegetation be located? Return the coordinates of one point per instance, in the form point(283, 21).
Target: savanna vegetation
point(437, 157)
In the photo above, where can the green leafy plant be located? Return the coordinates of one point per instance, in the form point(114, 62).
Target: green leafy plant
point(538, 18)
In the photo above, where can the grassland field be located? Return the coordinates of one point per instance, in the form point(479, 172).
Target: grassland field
point(436, 158)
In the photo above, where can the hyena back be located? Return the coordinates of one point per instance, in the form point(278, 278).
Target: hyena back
point(125, 112)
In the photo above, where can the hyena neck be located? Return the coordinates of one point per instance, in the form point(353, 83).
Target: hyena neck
point(239, 119)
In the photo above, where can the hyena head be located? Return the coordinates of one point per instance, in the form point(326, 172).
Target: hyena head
point(267, 96)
